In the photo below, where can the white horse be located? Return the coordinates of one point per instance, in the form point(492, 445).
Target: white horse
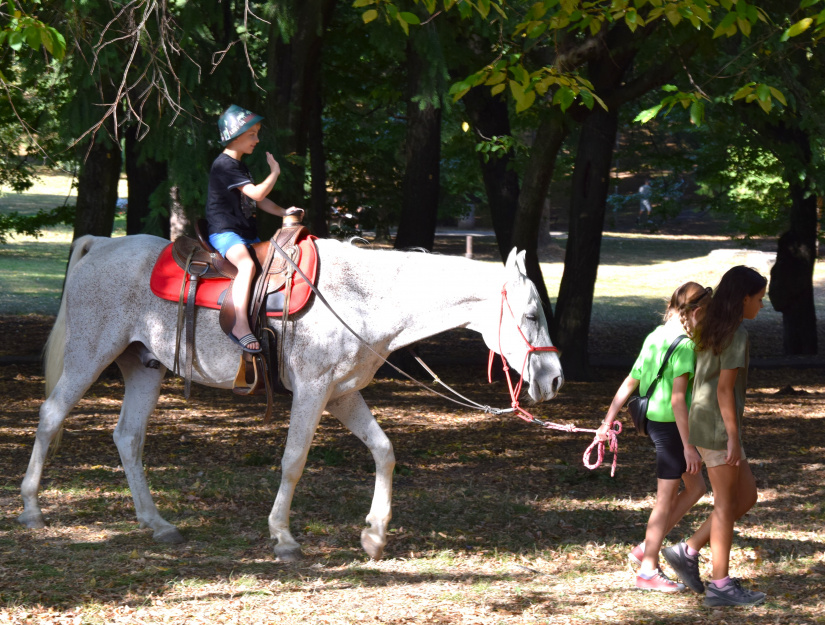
point(391, 299)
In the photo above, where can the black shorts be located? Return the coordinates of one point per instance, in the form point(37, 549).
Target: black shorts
point(670, 453)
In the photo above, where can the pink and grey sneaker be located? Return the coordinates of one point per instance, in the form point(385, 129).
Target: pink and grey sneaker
point(636, 554)
point(659, 582)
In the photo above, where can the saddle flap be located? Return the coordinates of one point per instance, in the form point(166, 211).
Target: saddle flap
point(202, 262)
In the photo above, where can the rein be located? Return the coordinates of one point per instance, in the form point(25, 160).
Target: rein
point(469, 403)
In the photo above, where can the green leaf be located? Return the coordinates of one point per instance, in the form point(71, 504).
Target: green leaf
point(498, 88)
point(358, 4)
point(776, 93)
point(744, 27)
point(763, 92)
point(16, 40)
point(743, 91)
point(495, 78)
point(369, 16)
point(58, 43)
point(46, 40)
point(697, 113)
point(564, 98)
point(524, 99)
point(765, 105)
point(645, 116)
point(537, 31)
point(483, 7)
point(670, 88)
point(32, 37)
point(410, 18)
point(797, 29)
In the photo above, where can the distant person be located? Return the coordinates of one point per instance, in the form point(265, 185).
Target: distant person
point(715, 420)
point(231, 202)
point(676, 459)
point(644, 202)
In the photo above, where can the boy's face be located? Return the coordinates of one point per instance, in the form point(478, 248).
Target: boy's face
point(245, 143)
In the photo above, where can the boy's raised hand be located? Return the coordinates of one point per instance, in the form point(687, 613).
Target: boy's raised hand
point(274, 167)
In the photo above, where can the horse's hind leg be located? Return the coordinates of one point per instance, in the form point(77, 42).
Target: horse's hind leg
point(354, 413)
point(65, 395)
point(142, 388)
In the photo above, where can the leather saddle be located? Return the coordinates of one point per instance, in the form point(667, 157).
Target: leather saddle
point(201, 261)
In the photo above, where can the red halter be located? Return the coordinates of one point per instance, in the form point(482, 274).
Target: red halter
point(514, 391)
point(612, 434)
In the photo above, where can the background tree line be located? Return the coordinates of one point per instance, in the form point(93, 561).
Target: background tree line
point(405, 111)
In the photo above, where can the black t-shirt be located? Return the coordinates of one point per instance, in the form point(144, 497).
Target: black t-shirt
point(227, 208)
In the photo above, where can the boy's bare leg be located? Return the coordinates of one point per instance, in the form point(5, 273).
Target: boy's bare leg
point(239, 256)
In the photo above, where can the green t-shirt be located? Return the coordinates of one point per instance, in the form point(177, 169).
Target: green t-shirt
point(682, 360)
point(707, 429)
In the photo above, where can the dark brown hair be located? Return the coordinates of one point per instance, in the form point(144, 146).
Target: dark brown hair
point(686, 299)
point(724, 313)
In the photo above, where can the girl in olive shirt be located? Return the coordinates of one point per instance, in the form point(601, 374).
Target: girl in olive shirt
point(715, 429)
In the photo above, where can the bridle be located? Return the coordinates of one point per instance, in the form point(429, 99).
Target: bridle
point(531, 349)
point(515, 391)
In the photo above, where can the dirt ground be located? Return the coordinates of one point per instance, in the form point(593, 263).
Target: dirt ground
point(495, 520)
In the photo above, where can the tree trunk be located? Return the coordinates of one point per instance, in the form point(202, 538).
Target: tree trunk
point(591, 181)
point(144, 176)
point(490, 118)
point(318, 206)
point(97, 188)
point(791, 288)
point(292, 65)
point(421, 185)
point(549, 137)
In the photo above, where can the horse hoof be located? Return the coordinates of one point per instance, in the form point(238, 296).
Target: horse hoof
point(169, 536)
point(373, 547)
point(288, 554)
point(32, 521)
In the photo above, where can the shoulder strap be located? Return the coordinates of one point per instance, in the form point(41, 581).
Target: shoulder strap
point(670, 349)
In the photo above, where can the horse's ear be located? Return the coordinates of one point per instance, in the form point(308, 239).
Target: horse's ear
point(521, 263)
point(512, 259)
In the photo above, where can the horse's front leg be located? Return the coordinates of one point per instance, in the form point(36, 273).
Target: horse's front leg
point(142, 386)
point(303, 421)
point(352, 411)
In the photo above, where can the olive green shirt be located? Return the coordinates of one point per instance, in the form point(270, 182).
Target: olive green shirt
point(707, 429)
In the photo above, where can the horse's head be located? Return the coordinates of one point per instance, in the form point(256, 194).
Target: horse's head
point(521, 335)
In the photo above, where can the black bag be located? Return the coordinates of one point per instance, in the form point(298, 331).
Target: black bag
point(637, 405)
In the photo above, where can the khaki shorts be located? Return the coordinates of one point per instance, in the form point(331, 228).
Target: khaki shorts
point(716, 457)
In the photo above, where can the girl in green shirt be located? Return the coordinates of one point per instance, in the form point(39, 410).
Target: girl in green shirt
point(676, 460)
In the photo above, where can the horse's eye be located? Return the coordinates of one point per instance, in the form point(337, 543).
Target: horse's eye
point(531, 317)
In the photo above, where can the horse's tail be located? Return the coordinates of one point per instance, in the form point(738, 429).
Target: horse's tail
point(55, 347)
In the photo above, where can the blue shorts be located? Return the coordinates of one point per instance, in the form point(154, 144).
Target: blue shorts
point(225, 240)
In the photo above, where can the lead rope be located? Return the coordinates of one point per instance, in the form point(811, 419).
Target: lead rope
point(468, 403)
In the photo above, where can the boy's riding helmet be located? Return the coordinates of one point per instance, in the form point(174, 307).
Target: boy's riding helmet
point(235, 121)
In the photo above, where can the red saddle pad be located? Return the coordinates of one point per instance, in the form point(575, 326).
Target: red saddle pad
point(167, 276)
